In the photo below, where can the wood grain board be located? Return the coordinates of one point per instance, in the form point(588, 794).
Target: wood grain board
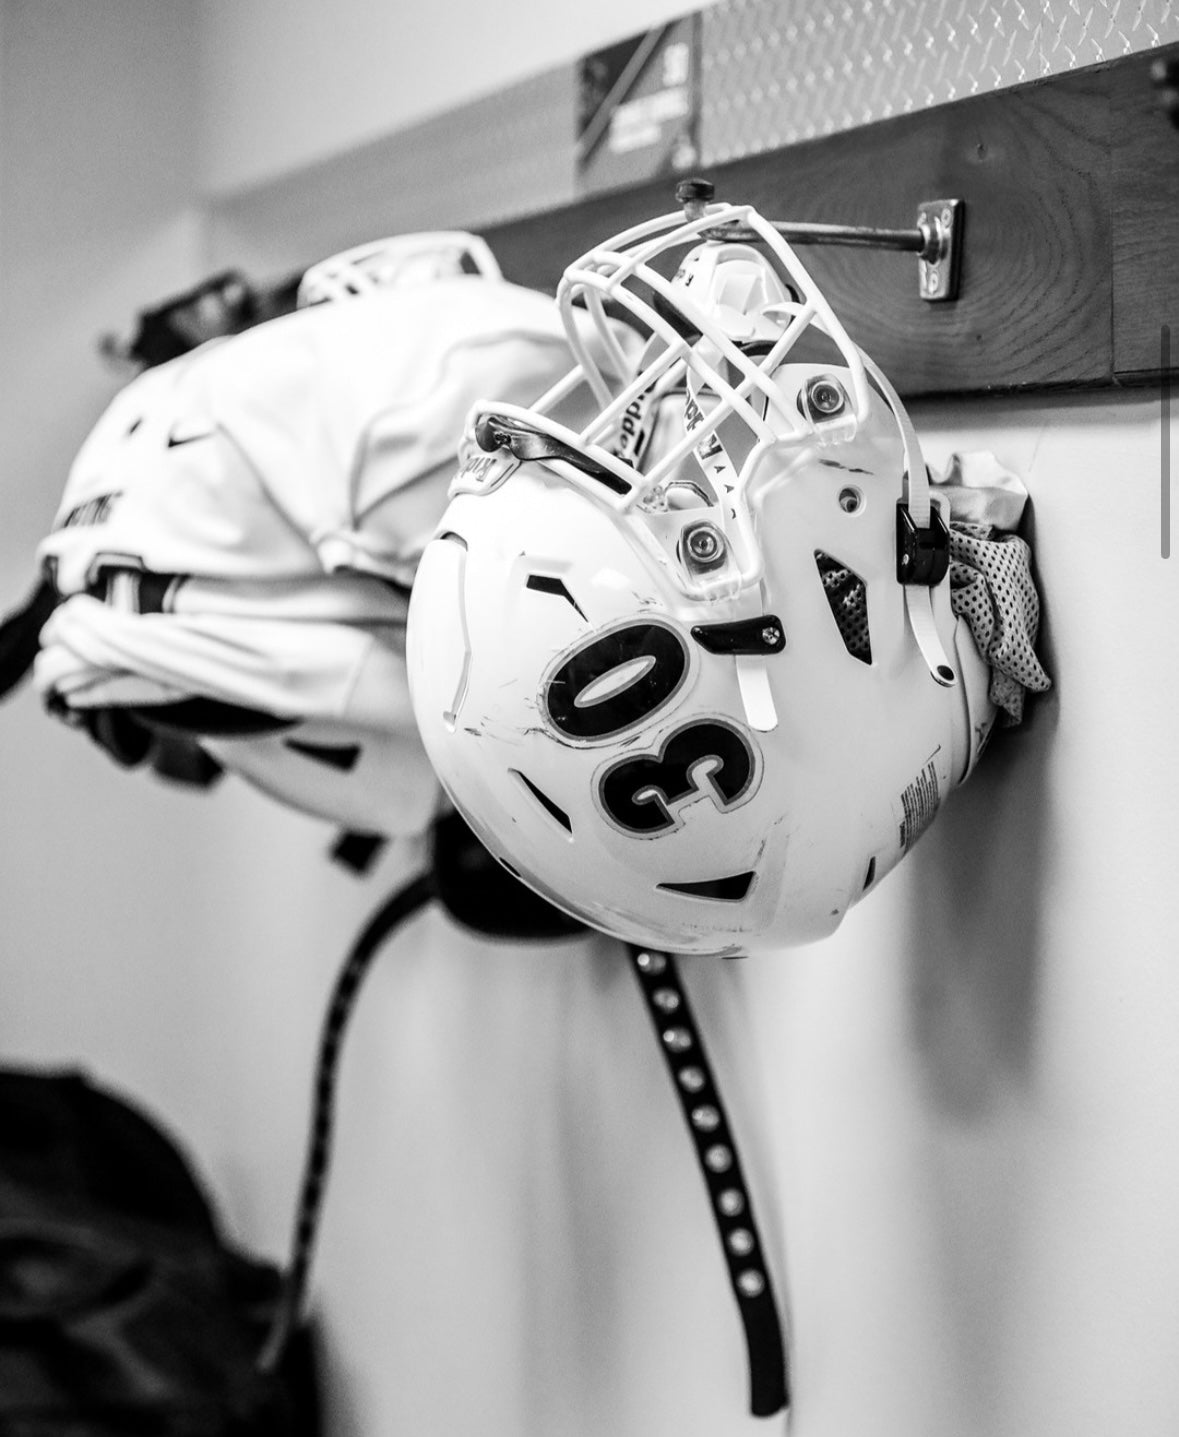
point(1070, 259)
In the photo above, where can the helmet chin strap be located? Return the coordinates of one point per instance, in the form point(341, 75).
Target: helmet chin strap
point(478, 893)
point(924, 519)
point(921, 520)
point(716, 1154)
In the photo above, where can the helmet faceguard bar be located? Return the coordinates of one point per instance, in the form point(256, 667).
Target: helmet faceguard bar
point(733, 398)
point(398, 259)
point(603, 274)
point(745, 301)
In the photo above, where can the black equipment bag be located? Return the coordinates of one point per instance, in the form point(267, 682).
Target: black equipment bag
point(122, 1311)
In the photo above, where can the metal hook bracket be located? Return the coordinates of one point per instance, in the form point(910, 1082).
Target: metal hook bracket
point(940, 264)
point(936, 240)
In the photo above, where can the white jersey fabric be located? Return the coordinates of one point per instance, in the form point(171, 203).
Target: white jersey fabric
point(244, 522)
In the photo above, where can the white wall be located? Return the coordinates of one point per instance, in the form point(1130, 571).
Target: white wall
point(967, 1093)
point(111, 890)
point(97, 216)
point(290, 82)
point(974, 1081)
point(966, 1096)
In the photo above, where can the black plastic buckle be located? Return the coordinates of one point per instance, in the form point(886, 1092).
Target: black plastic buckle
point(923, 555)
point(763, 635)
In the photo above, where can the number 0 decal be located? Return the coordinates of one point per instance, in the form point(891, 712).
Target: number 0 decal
point(642, 793)
point(615, 681)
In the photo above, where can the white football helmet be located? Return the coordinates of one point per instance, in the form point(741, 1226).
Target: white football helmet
point(692, 671)
point(398, 260)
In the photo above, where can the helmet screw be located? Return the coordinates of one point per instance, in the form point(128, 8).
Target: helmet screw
point(487, 436)
point(704, 546)
point(824, 396)
point(693, 195)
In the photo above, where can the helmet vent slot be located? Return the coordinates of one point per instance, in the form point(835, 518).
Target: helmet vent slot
point(871, 873)
point(730, 889)
point(547, 584)
point(847, 597)
point(553, 810)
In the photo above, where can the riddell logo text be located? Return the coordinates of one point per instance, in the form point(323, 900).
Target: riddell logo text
point(632, 436)
point(93, 511)
point(693, 419)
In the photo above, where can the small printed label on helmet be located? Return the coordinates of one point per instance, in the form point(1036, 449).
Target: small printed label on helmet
point(480, 472)
point(919, 804)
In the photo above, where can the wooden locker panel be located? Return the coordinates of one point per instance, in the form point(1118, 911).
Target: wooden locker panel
point(1033, 166)
point(1145, 207)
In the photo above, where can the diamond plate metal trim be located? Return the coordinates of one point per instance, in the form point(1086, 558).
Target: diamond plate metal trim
point(1078, 34)
point(779, 71)
point(774, 72)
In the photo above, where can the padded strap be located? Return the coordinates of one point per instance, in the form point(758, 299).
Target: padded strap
point(479, 892)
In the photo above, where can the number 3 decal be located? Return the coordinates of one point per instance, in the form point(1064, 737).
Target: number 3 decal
point(642, 794)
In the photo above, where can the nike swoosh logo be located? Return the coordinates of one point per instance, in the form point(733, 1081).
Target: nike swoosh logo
point(174, 440)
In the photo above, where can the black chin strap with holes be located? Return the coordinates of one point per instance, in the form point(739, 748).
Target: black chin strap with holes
point(716, 1153)
point(482, 896)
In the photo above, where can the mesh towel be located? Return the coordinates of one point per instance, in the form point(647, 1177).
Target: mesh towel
point(991, 584)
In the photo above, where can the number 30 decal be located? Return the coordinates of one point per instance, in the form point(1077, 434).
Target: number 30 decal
point(618, 680)
point(642, 793)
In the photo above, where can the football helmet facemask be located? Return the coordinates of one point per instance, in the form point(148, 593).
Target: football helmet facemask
point(692, 670)
point(398, 260)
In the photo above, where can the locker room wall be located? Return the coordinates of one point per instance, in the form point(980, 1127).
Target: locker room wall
point(116, 894)
point(181, 948)
point(291, 82)
point(960, 1108)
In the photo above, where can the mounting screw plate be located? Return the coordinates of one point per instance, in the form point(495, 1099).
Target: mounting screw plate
point(939, 268)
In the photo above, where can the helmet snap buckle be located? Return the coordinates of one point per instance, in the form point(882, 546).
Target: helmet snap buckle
point(923, 555)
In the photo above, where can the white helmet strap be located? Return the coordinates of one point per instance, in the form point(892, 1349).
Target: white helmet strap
point(924, 530)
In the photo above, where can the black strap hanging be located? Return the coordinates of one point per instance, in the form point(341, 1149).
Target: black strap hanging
point(389, 916)
point(720, 1165)
point(479, 893)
